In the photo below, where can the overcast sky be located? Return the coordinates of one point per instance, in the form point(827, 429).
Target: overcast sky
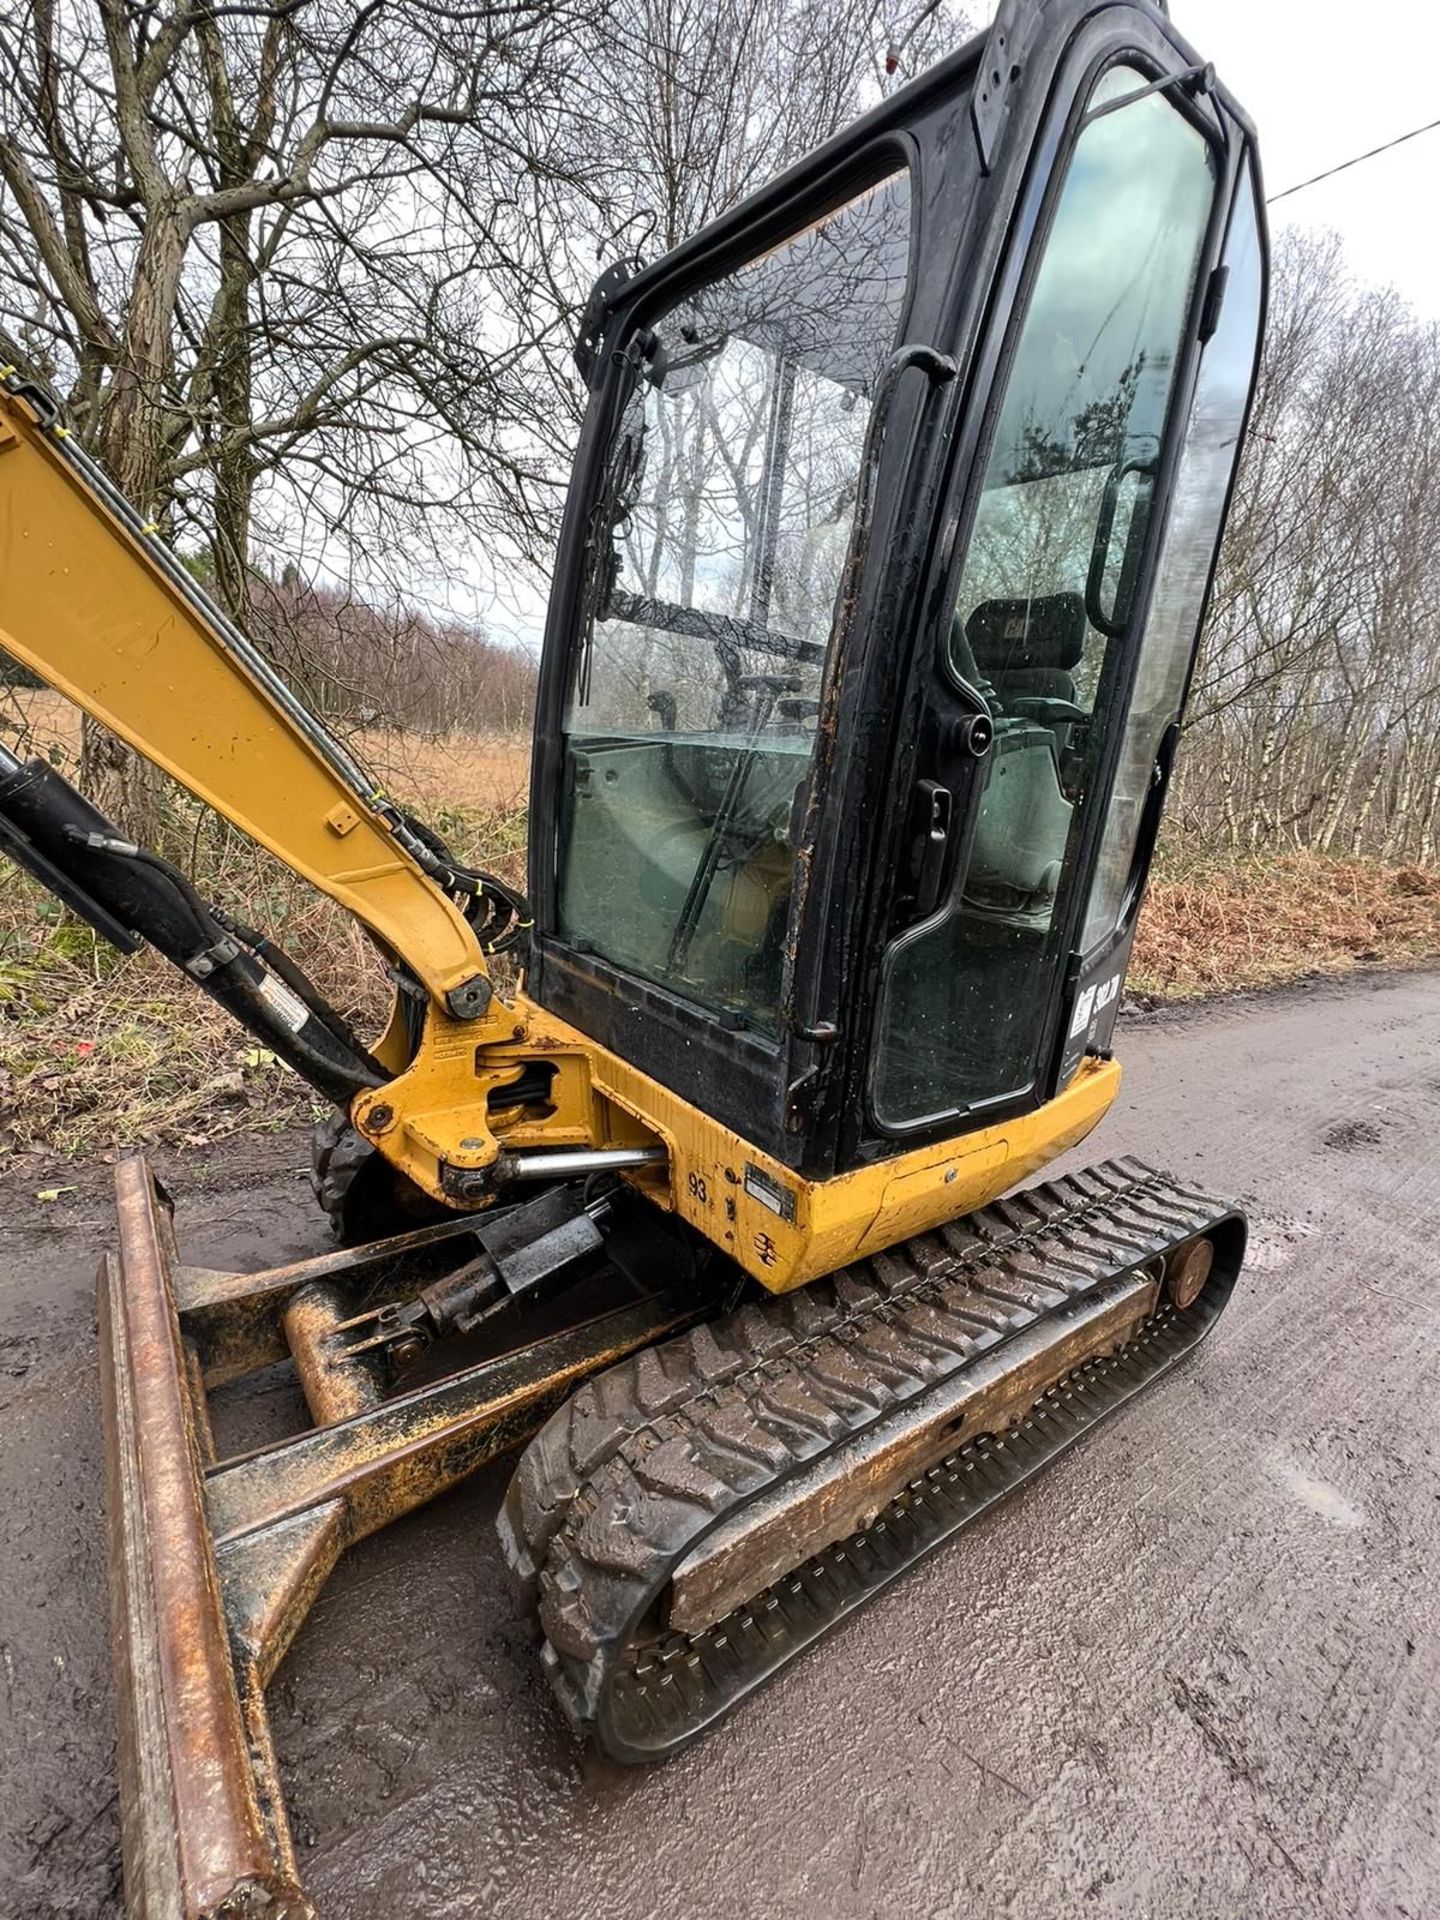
point(1323, 82)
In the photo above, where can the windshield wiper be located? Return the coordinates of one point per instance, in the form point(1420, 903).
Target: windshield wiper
point(615, 500)
point(720, 628)
point(767, 688)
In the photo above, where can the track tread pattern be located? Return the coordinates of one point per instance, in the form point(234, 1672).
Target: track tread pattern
point(638, 1465)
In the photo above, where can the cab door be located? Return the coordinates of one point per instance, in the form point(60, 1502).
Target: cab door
point(1052, 674)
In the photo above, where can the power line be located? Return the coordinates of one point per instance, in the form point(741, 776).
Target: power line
point(1315, 178)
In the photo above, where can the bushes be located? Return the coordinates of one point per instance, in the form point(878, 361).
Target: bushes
point(1214, 924)
point(99, 1051)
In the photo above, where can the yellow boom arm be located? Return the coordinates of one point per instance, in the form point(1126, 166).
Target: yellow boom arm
point(94, 603)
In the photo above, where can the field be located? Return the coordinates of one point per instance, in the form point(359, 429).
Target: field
point(436, 772)
point(97, 1052)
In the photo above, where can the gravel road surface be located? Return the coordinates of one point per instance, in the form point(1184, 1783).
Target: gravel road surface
point(1195, 1670)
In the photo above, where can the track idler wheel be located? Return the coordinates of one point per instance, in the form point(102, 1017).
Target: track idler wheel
point(1186, 1271)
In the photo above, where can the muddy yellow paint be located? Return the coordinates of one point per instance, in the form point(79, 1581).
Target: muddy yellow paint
point(84, 603)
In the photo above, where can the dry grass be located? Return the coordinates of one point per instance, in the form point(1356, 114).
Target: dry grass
point(39, 722)
point(98, 1052)
point(1221, 925)
point(477, 774)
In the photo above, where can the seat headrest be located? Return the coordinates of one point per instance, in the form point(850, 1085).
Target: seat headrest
point(1008, 636)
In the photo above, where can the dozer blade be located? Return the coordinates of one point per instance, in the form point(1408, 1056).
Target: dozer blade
point(214, 1563)
point(202, 1825)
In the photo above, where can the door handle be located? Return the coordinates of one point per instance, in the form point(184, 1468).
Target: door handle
point(939, 369)
point(935, 807)
point(1110, 622)
point(938, 817)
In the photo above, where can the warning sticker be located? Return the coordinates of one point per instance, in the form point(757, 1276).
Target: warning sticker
point(287, 1007)
point(768, 1192)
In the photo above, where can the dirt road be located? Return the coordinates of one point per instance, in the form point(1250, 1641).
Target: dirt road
point(1194, 1671)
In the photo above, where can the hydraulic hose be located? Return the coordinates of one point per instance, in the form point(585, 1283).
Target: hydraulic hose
point(131, 895)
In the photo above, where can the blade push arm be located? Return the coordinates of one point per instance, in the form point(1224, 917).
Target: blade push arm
point(97, 607)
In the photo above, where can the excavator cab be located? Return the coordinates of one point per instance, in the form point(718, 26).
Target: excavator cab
point(878, 592)
point(879, 589)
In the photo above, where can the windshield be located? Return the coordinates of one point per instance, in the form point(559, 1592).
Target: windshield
point(725, 518)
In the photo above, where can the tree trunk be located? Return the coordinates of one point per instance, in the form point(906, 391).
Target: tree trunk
point(124, 786)
point(1362, 817)
point(1432, 811)
point(234, 469)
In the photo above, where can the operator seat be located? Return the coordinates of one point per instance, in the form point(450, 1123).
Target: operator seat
point(1027, 649)
point(1019, 655)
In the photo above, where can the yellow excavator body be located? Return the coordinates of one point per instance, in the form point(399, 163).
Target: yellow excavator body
point(891, 525)
point(91, 607)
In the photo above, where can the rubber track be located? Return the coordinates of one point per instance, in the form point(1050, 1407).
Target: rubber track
point(630, 1473)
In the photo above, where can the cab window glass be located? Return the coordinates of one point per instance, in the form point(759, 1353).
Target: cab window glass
point(1202, 486)
point(724, 524)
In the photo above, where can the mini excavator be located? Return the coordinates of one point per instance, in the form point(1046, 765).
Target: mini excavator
point(888, 540)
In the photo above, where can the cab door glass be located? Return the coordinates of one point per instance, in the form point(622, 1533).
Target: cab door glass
point(1042, 610)
point(723, 527)
point(1182, 573)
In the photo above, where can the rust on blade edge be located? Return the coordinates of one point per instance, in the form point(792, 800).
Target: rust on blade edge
point(196, 1846)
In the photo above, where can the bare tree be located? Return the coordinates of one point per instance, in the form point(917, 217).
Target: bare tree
point(289, 254)
point(363, 665)
point(1315, 720)
point(303, 271)
point(696, 103)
